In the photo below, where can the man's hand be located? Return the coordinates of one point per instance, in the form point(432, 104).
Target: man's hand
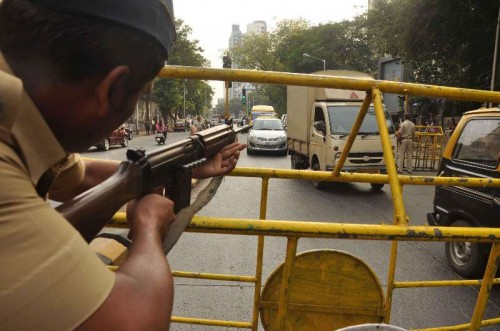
point(221, 163)
point(150, 214)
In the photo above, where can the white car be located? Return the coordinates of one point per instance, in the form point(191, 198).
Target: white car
point(214, 121)
point(267, 135)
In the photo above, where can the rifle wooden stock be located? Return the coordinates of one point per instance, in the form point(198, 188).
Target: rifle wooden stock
point(170, 166)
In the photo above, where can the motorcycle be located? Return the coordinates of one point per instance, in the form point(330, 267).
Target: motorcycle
point(160, 137)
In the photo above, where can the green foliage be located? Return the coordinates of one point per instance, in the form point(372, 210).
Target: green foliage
point(446, 42)
point(343, 45)
point(235, 107)
point(169, 93)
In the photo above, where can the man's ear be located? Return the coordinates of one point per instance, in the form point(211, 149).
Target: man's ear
point(111, 89)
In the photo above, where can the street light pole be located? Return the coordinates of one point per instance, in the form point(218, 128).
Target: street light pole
point(184, 100)
point(317, 58)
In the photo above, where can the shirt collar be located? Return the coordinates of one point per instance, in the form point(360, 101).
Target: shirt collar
point(39, 148)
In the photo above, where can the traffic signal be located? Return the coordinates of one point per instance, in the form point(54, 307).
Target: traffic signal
point(226, 62)
point(243, 96)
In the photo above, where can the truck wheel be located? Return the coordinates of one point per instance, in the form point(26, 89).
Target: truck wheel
point(319, 185)
point(465, 258)
point(296, 162)
point(377, 187)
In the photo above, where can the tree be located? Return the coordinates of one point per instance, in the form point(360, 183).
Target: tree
point(446, 42)
point(343, 45)
point(169, 93)
point(235, 107)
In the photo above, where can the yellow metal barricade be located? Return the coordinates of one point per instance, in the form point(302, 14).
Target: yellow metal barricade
point(284, 304)
point(427, 147)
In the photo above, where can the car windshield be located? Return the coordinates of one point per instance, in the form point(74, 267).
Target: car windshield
point(273, 124)
point(342, 118)
point(480, 142)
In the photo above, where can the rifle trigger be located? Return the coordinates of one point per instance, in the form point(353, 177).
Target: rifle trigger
point(195, 164)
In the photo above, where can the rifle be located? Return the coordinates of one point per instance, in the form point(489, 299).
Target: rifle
point(170, 166)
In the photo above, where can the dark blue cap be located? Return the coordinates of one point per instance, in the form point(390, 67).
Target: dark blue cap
point(153, 17)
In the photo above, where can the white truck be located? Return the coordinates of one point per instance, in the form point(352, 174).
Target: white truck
point(319, 121)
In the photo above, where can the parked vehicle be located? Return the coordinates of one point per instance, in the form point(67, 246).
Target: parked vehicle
point(181, 125)
point(319, 121)
point(117, 137)
point(267, 135)
point(472, 151)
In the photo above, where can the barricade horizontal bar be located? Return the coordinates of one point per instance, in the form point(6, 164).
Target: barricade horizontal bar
point(328, 229)
point(363, 178)
point(284, 78)
point(198, 275)
point(488, 322)
point(200, 321)
point(342, 230)
point(295, 307)
point(442, 283)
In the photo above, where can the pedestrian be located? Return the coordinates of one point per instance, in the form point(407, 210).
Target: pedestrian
point(148, 127)
point(198, 123)
point(73, 73)
point(406, 133)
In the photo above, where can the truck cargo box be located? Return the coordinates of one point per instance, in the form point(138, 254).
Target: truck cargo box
point(300, 100)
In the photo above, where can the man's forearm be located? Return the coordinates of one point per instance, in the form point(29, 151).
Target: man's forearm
point(96, 171)
point(142, 297)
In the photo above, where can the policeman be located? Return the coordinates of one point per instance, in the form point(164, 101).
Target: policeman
point(71, 71)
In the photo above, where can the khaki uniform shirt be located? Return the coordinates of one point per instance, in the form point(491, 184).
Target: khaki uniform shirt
point(407, 129)
point(49, 277)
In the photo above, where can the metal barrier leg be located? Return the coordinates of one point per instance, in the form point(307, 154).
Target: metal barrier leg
point(260, 256)
point(291, 251)
point(484, 293)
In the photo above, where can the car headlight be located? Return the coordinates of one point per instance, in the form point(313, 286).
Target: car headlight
point(251, 137)
point(337, 157)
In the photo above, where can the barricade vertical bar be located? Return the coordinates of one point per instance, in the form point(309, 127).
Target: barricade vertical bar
point(260, 255)
point(263, 197)
point(484, 293)
point(390, 281)
point(397, 198)
point(354, 133)
point(291, 251)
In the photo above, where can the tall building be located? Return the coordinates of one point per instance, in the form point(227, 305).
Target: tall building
point(256, 27)
point(236, 36)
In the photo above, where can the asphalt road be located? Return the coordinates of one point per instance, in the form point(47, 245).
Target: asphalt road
point(298, 200)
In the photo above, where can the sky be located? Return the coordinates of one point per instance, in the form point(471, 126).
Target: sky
point(212, 21)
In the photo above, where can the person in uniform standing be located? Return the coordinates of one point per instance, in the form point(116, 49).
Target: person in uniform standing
point(71, 71)
point(406, 134)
